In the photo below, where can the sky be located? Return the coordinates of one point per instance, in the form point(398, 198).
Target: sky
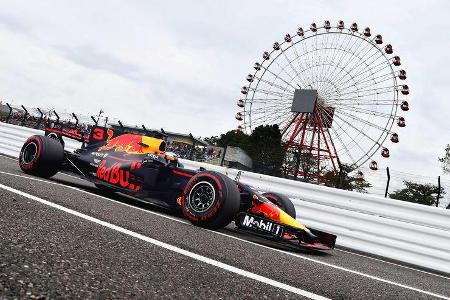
point(180, 65)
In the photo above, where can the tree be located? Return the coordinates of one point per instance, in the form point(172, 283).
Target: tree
point(343, 180)
point(264, 148)
point(418, 193)
point(234, 138)
point(302, 164)
point(446, 160)
point(212, 141)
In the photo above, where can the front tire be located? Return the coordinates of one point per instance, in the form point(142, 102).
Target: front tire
point(41, 156)
point(210, 200)
point(282, 202)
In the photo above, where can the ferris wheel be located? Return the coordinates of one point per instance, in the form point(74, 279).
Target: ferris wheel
point(335, 93)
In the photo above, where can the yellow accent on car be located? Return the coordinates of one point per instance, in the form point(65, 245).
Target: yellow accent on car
point(151, 145)
point(290, 221)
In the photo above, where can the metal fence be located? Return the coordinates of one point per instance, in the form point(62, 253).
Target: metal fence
point(385, 182)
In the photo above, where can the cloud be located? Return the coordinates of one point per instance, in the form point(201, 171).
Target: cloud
point(90, 58)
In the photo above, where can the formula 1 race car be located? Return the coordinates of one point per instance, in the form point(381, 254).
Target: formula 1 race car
point(139, 166)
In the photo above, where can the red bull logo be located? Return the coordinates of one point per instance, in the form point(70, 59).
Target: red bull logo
point(133, 144)
point(128, 143)
point(115, 174)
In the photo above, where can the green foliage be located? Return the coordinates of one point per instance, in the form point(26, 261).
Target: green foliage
point(343, 180)
point(234, 138)
point(302, 163)
point(212, 141)
point(263, 146)
point(418, 193)
point(446, 160)
point(265, 150)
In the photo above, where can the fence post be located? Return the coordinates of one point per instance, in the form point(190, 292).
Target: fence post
point(387, 183)
point(76, 119)
point(24, 116)
point(191, 155)
point(339, 185)
point(10, 113)
point(223, 156)
point(95, 121)
point(57, 116)
point(121, 125)
point(40, 118)
point(439, 191)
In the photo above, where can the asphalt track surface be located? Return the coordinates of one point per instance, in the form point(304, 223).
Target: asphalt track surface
point(63, 238)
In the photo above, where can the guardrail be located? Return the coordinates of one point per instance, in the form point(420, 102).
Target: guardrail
point(403, 231)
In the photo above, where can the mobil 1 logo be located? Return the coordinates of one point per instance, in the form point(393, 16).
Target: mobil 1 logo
point(256, 223)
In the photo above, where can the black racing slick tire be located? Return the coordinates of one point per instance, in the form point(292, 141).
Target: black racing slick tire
point(210, 200)
point(41, 156)
point(282, 202)
point(56, 137)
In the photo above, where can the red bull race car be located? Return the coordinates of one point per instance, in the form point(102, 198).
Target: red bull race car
point(138, 165)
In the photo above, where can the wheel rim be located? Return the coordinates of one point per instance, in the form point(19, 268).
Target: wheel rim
point(201, 197)
point(29, 153)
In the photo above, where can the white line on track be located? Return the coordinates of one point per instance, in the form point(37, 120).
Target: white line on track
point(249, 242)
point(169, 247)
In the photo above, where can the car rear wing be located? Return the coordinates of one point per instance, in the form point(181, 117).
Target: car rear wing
point(92, 134)
point(58, 131)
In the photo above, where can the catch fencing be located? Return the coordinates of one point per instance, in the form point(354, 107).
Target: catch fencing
point(398, 230)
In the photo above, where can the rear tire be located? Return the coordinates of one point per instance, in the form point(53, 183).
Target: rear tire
point(41, 156)
point(56, 137)
point(282, 202)
point(210, 200)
